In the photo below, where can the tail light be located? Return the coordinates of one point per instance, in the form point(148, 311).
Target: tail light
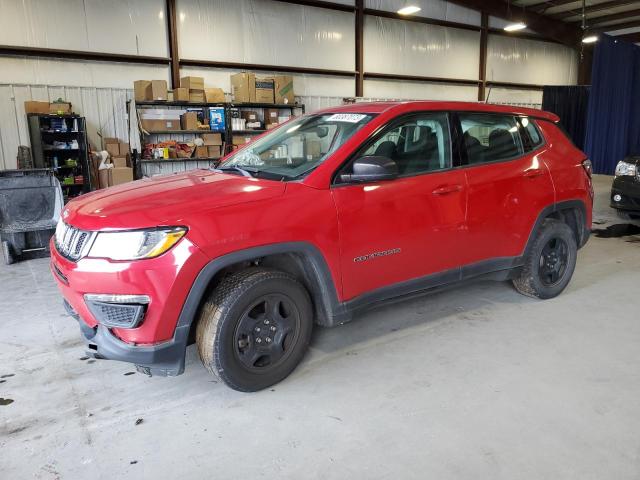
point(588, 167)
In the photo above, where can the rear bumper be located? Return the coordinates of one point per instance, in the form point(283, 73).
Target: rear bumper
point(629, 190)
point(165, 359)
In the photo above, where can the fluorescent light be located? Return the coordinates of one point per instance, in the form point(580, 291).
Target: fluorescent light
point(409, 10)
point(590, 39)
point(512, 27)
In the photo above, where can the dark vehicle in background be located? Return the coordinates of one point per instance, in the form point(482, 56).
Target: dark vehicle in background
point(625, 191)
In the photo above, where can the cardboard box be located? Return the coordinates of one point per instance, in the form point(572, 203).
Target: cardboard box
point(113, 149)
point(60, 108)
point(192, 83)
point(180, 94)
point(119, 161)
point(250, 116)
point(140, 89)
point(123, 149)
point(213, 151)
point(36, 107)
point(264, 90)
point(155, 125)
point(106, 140)
point(202, 152)
point(157, 90)
point(189, 121)
point(196, 96)
point(243, 87)
point(283, 89)
point(214, 95)
point(270, 116)
point(120, 175)
point(240, 139)
point(212, 138)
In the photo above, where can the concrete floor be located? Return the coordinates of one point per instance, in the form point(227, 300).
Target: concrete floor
point(479, 382)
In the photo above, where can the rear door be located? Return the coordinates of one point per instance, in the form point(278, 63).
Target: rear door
point(409, 227)
point(508, 181)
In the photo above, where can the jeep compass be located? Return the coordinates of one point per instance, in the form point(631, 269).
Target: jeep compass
point(314, 221)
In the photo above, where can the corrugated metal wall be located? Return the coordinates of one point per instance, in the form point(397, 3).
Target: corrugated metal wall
point(104, 109)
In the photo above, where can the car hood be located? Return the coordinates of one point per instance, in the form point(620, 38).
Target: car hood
point(165, 200)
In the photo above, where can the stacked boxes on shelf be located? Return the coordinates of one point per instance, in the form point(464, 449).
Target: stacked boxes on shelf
point(120, 159)
point(195, 85)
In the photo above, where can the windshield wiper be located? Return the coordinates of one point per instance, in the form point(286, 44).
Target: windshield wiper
point(233, 168)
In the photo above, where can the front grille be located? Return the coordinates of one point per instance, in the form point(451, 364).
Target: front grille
point(71, 242)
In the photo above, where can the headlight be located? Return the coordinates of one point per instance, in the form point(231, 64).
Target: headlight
point(624, 168)
point(135, 244)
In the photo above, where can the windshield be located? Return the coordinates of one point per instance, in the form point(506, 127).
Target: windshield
point(298, 147)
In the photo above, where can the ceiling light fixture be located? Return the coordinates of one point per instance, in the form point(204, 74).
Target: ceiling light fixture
point(409, 10)
point(590, 39)
point(514, 27)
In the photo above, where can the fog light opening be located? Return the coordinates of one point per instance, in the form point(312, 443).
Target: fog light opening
point(617, 197)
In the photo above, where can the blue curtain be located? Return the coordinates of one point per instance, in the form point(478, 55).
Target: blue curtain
point(613, 119)
point(570, 104)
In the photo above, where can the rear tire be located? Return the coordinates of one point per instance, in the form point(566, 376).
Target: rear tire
point(549, 265)
point(255, 328)
point(6, 253)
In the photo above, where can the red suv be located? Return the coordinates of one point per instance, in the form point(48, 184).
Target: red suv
point(314, 221)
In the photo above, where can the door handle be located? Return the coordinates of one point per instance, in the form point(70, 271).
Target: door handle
point(447, 189)
point(533, 173)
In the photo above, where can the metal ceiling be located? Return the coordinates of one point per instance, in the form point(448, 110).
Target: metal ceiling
point(619, 18)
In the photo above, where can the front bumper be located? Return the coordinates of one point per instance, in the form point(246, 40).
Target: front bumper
point(629, 190)
point(165, 359)
point(158, 343)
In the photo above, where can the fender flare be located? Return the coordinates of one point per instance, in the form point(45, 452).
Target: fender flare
point(317, 271)
point(557, 207)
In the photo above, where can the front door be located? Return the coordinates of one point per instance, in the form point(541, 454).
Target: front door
point(412, 226)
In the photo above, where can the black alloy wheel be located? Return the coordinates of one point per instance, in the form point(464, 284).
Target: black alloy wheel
point(553, 261)
point(266, 331)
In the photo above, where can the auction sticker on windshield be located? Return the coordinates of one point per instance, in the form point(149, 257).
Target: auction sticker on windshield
point(346, 117)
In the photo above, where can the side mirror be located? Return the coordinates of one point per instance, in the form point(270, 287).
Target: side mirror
point(372, 168)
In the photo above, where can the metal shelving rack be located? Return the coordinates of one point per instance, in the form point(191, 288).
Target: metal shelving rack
point(43, 131)
point(154, 166)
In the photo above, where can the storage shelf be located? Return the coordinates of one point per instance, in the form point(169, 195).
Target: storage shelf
point(177, 132)
point(157, 103)
point(244, 132)
point(163, 160)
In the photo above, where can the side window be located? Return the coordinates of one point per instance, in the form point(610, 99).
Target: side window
point(418, 144)
point(531, 137)
point(489, 137)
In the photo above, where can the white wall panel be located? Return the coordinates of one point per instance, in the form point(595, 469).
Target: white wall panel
point(410, 48)
point(135, 27)
point(437, 9)
point(514, 96)
point(401, 90)
point(511, 59)
point(322, 85)
point(103, 108)
point(76, 73)
point(266, 32)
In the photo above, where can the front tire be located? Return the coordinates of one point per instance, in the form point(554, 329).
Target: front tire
point(255, 328)
point(549, 265)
